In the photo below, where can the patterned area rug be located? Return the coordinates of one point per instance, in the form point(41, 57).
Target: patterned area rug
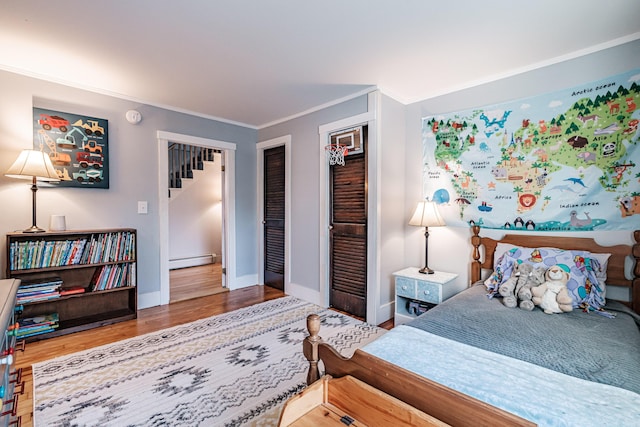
point(234, 369)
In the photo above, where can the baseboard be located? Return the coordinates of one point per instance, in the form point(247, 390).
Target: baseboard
point(192, 261)
point(149, 299)
point(303, 293)
point(243, 281)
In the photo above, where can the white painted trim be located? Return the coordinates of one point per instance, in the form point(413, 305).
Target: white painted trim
point(368, 118)
point(149, 299)
point(228, 217)
point(374, 210)
point(305, 293)
point(196, 140)
point(244, 281)
point(321, 107)
point(192, 261)
point(260, 147)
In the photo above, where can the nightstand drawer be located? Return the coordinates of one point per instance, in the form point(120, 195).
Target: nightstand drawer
point(405, 287)
point(429, 292)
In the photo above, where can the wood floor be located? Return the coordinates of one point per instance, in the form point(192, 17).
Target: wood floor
point(188, 303)
point(195, 282)
point(149, 320)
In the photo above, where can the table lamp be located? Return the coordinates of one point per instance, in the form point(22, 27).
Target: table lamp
point(36, 166)
point(426, 215)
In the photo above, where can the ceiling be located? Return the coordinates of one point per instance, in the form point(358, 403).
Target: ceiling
point(257, 62)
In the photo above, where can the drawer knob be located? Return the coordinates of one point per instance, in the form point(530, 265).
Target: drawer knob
point(404, 287)
point(427, 292)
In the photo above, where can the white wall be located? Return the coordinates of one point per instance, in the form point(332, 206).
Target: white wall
point(133, 154)
point(195, 217)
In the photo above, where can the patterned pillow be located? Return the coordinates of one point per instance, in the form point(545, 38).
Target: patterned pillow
point(586, 290)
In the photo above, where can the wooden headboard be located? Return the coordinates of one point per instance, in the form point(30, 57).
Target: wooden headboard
point(615, 268)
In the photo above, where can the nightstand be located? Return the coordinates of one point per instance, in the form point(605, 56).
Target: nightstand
point(417, 292)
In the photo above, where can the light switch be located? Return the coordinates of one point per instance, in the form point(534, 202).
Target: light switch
point(142, 207)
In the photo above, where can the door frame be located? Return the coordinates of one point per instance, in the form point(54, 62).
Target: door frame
point(260, 148)
point(228, 214)
point(373, 195)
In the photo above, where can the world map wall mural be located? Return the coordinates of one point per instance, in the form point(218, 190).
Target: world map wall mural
point(564, 161)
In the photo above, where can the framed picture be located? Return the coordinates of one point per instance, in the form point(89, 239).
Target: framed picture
point(77, 145)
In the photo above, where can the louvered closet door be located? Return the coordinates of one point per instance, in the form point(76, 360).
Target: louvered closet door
point(348, 235)
point(274, 210)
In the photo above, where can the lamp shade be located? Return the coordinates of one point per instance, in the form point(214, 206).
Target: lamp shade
point(427, 215)
point(32, 163)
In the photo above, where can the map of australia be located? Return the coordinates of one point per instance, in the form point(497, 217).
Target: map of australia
point(561, 161)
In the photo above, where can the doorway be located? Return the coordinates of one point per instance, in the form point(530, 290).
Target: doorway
point(348, 224)
point(274, 205)
point(274, 216)
point(196, 177)
point(227, 256)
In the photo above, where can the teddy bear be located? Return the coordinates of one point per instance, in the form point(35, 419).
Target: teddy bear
point(553, 296)
point(509, 289)
point(535, 278)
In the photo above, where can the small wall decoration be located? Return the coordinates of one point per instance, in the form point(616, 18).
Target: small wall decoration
point(563, 161)
point(77, 145)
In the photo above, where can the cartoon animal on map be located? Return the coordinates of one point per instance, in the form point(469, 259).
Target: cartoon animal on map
point(632, 127)
point(609, 149)
point(541, 179)
point(631, 106)
point(576, 181)
point(441, 196)
point(612, 128)
point(587, 156)
point(578, 141)
point(543, 126)
point(630, 206)
point(577, 222)
point(584, 119)
point(542, 155)
point(499, 172)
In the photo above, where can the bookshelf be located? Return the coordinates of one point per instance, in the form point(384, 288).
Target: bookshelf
point(73, 280)
point(11, 382)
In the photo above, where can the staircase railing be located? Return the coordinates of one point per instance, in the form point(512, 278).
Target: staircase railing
point(184, 159)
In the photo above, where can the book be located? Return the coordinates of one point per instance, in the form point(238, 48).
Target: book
point(45, 319)
point(72, 291)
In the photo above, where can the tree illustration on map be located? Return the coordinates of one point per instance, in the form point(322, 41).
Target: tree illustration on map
point(560, 161)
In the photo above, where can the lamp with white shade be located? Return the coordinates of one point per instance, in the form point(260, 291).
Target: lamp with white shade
point(426, 215)
point(36, 166)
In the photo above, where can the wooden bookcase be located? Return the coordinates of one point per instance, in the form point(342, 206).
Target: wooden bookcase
point(101, 264)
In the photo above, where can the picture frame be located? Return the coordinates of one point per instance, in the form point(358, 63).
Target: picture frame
point(77, 145)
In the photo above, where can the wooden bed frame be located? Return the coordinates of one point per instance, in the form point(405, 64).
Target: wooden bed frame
point(446, 404)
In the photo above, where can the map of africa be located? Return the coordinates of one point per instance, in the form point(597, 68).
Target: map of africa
point(564, 161)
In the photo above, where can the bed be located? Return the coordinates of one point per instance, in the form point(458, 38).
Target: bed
point(473, 361)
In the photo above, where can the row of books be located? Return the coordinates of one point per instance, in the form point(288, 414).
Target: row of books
point(37, 325)
point(113, 276)
point(103, 247)
point(39, 290)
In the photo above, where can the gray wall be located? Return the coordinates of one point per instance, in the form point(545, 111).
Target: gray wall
point(305, 189)
point(133, 158)
point(449, 246)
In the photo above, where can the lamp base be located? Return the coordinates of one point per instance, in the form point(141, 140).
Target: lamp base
point(425, 270)
point(34, 229)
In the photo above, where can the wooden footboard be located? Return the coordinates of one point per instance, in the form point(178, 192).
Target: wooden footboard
point(448, 405)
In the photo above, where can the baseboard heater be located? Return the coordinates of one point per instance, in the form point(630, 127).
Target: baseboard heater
point(192, 261)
